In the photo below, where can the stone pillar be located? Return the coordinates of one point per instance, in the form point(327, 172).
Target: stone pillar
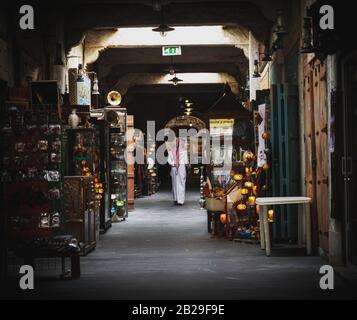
point(253, 55)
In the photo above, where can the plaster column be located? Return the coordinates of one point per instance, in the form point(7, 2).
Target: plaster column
point(253, 55)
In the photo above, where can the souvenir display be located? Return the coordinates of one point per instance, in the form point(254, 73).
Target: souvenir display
point(82, 158)
point(80, 210)
point(32, 173)
point(117, 200)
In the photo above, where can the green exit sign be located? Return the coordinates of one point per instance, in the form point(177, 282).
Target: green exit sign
point(171, 50)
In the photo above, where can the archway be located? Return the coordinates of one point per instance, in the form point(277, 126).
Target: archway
point(194, 146)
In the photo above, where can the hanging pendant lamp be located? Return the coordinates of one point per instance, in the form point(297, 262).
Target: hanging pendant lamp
point(163, 28)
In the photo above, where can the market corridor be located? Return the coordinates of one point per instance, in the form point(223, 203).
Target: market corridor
point(163, 251)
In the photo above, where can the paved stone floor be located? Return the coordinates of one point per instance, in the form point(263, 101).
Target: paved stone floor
point(164, 252)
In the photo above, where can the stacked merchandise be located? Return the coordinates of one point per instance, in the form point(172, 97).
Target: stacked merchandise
point(32, 174)
point(83, 189)
point(232, 197)
point(117, 167)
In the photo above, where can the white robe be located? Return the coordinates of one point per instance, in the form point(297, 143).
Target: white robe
point(178, 175)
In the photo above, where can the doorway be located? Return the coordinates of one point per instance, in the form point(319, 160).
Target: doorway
point(316, 150)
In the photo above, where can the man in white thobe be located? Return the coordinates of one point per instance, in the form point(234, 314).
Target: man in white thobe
point(178, 159)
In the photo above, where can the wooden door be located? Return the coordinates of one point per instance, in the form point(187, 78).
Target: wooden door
point(285, 155)
point(310, 156)
point(322, 153)
point(131, 172)
point(316, 150)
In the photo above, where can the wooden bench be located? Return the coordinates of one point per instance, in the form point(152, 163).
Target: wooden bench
point(29, 259)
point(264, 223)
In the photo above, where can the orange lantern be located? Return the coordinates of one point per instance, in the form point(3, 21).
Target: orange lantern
point(244, 191)
point(223, 218)
point(241, 206)
point(248, 156)
point(251, 200)
point(266, 167)
point(238, 177)
point(266, 135)
point(248, 184)
point(271, 215)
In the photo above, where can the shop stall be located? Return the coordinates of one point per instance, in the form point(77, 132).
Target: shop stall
point(233, 179)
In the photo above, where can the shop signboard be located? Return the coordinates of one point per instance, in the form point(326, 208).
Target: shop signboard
point(220, 127)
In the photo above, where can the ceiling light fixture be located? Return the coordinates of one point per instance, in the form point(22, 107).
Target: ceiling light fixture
point(163, 28)
point(175, 81)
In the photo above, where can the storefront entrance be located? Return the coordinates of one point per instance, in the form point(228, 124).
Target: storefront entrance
point(316, 150)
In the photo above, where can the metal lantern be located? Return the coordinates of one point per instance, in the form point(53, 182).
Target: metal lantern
point(307, 36)
point(242, 207)
point(256, 73)
point(248, 184)
point(280, 28)
point(244, 191)
point(238, 177)
point(251, 200)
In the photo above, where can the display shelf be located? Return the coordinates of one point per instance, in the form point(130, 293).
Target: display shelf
point(32, 171)
point(116, 173)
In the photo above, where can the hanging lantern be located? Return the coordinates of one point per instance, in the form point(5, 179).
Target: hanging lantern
point(307, 36)
point(248, 156)
point(251, 200)
point(248, 184)
point(244, 191)
point(238, 177)
point(242, 207)
point(223, 218)
point(266, 136)
point(280, 28)
point(256, 73)
point(271, 215)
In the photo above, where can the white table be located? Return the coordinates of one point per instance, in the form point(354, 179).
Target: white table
point(264, 223)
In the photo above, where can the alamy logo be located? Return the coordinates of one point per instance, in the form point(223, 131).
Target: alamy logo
point(27, 280)
point(27, 19)
point(327, 280)
point(327, 21)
